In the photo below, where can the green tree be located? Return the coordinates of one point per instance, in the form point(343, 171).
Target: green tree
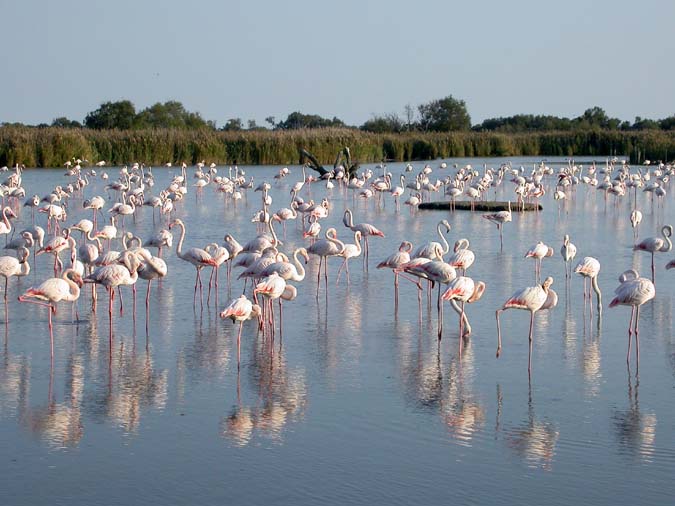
point(170, 114)
point(384, 124)
point(64, 122)
point(444, 115)
point(233, 125)
point(112, 115)
point(297, 120)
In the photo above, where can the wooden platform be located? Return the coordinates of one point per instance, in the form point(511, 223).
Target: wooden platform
point(488, 207)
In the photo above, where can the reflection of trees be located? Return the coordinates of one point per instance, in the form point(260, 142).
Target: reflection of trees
point(533, 440)
point(635, 431)
point(281, 393)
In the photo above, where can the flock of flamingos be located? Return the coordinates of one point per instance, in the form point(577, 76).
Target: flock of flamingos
point(93, 259)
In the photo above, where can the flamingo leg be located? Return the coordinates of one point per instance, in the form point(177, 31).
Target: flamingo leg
point(630, 332)
point(241, 325)
point(499, 333)
point(637, 339)
point(529, 354)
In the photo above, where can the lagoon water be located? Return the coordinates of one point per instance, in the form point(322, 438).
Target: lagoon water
point(355, 404)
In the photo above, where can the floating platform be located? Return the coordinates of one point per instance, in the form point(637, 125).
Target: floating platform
point(488, 207)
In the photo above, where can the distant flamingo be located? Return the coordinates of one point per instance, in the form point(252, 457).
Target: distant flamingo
point(654, 244)
point(53, 290)
point(499, 218)
point(532, 299)
point(589, 268)
point(196, 256)
point(633, 291)
point(568, 252)
point(240, 310)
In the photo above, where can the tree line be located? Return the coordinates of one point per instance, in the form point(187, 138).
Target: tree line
point(447, 114)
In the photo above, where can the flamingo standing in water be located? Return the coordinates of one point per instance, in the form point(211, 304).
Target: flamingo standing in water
point(149, 268)
point(5, 224)
point(196, 256)
point(394, 262)
point(532, 299)
point(499, 218)
point(465, 290)
point(568, 252)
point(240, 310)
point(324, 248)
point(635, 220)
point(654, 244)
point(13, 266)
point(366, 230)
point(53, 290)
point(633, 291)
point(435, 250)
point(589, 267)
point(349, 251)
point(538, 252)
point(271, 288)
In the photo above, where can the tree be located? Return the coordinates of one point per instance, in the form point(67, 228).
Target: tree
point(112, 115)
point(383, 124)
point(296, 120)
point(64, 122)
point(271, 121)
point(596, 117)
point(233, 125)
point(170, 114)
point(409, 116)
point(444, 115)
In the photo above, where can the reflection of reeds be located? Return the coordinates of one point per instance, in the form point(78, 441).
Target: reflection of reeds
point(49, 147)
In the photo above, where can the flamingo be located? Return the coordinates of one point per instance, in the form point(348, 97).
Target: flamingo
point(234, 248)
point(25, 240)
point(240, 310)
point(635, 220)
point(114, 275)
point(568, 252)
point(432, 249)
point(160, 239)
point(288, 271)
point(654, 244)
point(56, 246)
point(463, 289)
point(14, 266)
point(589, 267)
point(96, 203)
point(394, 262)
point(149, 268)
point(538, 252)
point(220, 255)
point(366, 230)
point(463, 257)
point(499, 218)
point(196, 256)
point(633, 291)
point(532, 299)
point(5, 224)
point(271, 287)
point(108, 232)
point(324, 248)
point(349, 251)
point(53, 290)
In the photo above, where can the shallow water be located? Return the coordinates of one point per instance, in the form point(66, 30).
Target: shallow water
point(354, 403)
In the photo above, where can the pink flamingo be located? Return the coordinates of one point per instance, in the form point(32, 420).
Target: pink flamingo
point(633, 291)
point(53, 290)
point(56, 246)
point(568, 252)
point(149, 268)
point(324, 248)
point(435, 250)
point(654, 244)
point(538, 252)
point(271, 288)
point(463, 257)
point(196, 256)
point(589, 268)
point(5, 224)
point(532, 299)
point(366, 230)
point(349, 251)
point(394, 262)
point(240, 310)
point(465, 290)
point(13, 266)
point(499, 218)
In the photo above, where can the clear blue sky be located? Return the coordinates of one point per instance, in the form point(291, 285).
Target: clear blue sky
point(350, 59)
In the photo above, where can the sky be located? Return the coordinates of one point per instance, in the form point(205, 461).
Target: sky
point(350, 59)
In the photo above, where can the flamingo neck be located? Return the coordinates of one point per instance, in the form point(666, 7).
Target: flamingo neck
point(298, 266)
point(179, 246)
